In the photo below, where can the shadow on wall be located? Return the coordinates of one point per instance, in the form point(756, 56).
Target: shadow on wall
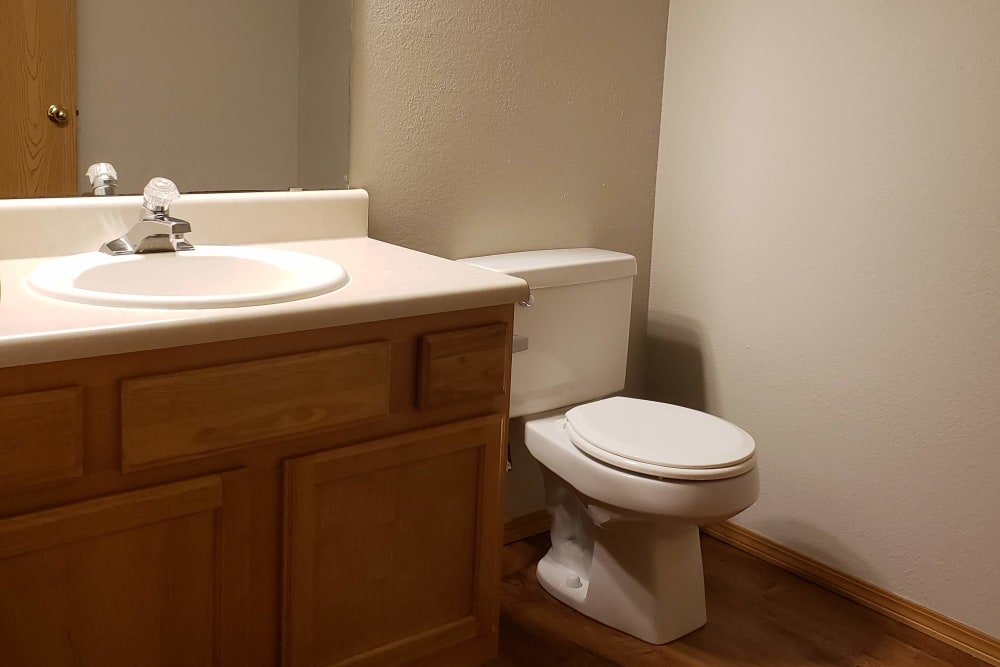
point(677, 372)
point(675, 365)
point(525, 492)
point(821, 546)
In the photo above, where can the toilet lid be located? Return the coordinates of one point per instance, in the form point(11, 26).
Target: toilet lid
point(653, 435)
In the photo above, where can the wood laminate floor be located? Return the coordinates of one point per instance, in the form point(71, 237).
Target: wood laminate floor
point(758, 614)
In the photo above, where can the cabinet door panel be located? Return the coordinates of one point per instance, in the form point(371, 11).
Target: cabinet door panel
point(391, 546)
point(151, 577)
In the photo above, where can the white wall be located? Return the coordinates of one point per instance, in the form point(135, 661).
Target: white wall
point(487, 127)
point(826, 273)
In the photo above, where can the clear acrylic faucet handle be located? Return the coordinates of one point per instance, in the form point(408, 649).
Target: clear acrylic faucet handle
point(101, 170)
point(159, 194)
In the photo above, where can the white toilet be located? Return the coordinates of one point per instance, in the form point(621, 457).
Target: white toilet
point(627, 481)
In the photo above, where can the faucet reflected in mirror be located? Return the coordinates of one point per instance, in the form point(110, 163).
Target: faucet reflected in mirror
point(257, 99)
point(103, 179)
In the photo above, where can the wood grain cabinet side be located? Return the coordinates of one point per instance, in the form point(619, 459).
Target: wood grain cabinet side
point(149, 577)
point(392, 547)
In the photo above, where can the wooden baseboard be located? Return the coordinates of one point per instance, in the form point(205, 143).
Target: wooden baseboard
point(942, 628)
point(521, 527)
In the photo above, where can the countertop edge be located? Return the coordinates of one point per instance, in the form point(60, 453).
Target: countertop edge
point(380, 292)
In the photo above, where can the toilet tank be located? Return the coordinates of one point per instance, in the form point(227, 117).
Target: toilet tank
point(576, 325)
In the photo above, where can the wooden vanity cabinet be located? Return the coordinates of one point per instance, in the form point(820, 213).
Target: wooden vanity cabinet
point(327, 497)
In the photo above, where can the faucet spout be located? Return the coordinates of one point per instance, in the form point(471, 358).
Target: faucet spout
point(157, 231)
point(154, 233)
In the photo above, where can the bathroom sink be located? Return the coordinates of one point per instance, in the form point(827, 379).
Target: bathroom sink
point(206, 277)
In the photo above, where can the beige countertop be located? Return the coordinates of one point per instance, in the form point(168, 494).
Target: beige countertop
point(387, 282)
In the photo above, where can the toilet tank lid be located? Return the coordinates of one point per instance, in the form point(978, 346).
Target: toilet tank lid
point(564, 266)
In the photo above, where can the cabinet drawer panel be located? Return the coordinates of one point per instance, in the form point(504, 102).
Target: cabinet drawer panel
point(41, 437)
point(463, 364)
point(201, 412)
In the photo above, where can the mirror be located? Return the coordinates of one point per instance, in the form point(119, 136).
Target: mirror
point(217, 96)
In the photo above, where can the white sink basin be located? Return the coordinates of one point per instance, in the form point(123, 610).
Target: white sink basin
point(206, 277)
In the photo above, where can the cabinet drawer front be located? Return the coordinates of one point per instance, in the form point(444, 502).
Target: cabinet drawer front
point(197, 413)
point(41, 437)
point(463, 364)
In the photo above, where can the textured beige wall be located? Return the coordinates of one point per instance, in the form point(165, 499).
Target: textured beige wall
point(487, 127)
point(826, 273)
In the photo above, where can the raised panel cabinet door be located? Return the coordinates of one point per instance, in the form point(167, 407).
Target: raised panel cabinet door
point(392, 549)
point(149, 577)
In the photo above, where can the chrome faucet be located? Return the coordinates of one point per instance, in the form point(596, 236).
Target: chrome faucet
point(156, 231)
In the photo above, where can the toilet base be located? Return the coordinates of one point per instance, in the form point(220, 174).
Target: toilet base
point(636, 573)
point(655, 592)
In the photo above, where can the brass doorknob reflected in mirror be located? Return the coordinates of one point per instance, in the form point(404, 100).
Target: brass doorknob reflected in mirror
point(58, 115)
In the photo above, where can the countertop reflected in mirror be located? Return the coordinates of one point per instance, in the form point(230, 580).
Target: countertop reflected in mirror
point(232, 95)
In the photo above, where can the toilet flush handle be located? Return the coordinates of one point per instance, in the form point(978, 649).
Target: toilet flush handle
point(521, 342)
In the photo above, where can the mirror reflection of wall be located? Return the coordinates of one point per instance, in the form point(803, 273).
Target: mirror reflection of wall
point(220, 95)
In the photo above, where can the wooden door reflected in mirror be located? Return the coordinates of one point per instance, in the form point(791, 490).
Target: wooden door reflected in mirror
point(38, 56)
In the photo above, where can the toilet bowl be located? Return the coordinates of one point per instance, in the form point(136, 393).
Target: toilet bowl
point(625, 545)
point(627, 481)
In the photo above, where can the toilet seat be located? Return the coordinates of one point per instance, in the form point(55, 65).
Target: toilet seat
point(660, 439)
